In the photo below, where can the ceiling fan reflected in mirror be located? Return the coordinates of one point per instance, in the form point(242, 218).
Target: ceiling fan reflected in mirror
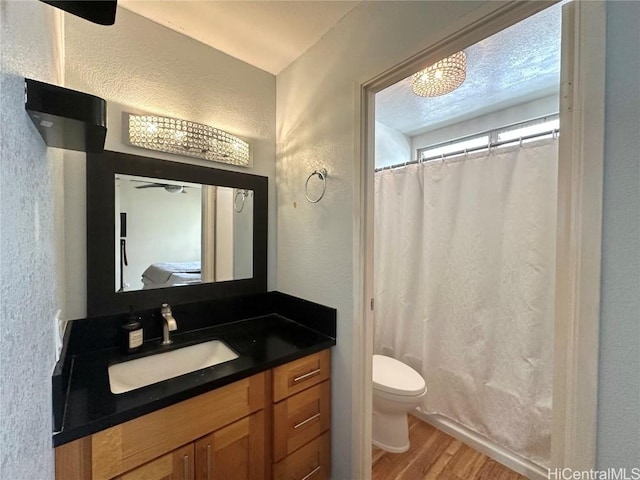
point(171, 188)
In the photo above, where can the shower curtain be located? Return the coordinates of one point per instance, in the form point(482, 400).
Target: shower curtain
point(464, 285)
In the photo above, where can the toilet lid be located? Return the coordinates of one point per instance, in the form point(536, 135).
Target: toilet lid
point(392, 376)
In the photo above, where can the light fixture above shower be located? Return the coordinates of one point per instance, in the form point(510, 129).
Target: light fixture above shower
point(442, 77)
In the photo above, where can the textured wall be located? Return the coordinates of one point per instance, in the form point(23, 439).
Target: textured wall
point(137, 65)
point(619, 377)
point(316, 127)
point(30, 37)
point(392, 146)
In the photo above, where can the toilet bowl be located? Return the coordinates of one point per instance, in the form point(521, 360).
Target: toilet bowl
point(397, 389)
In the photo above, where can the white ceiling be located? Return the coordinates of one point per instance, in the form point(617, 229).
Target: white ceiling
point(267, 34)
point(519, 64)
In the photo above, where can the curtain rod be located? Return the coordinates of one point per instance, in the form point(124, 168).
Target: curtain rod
point(489, 146)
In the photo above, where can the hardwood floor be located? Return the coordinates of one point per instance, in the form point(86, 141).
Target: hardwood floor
point(434, 455)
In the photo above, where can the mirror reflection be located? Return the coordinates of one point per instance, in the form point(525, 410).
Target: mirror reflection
point(171, 233)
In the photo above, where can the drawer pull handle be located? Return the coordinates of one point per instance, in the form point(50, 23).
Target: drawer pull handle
point(311, 473)
point(304, 422)
point(185, 466)
point(208, 461)
point(306, 375)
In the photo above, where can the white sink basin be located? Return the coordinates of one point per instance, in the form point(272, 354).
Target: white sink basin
point(127, 376)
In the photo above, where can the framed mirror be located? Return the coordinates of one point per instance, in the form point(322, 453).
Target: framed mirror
point(167, 232)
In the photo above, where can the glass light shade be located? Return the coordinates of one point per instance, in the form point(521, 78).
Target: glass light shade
point(172, 135)
point(442, 77)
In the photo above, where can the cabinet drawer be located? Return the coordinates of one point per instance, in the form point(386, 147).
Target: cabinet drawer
point(300, 418)
point(310, 462)
point(300, 374)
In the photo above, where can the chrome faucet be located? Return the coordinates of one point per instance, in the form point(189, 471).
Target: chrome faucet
point(168, 324)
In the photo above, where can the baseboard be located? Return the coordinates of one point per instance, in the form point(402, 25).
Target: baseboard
point(482, 444)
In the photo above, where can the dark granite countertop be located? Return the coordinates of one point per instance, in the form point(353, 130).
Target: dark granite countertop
point(262, 342)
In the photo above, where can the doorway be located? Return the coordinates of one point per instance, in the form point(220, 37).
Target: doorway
point(465, 189)
point(577, 272)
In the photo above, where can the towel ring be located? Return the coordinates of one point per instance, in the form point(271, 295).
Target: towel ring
point(322, 175)
point(244, 194)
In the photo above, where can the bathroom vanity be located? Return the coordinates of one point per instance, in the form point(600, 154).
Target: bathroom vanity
point(265, 414)
point(224, 434)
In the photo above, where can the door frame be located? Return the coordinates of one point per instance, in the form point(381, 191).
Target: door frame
point(580, 176)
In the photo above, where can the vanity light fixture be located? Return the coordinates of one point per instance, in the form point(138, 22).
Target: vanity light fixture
point(442, 77)
point(173, 135)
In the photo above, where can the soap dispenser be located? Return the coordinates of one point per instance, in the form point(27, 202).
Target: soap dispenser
point(131, 333)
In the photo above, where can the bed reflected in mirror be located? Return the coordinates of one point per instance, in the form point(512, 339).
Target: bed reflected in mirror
point(174, 233)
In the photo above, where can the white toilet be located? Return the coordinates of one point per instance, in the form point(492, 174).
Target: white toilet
point(397, 389)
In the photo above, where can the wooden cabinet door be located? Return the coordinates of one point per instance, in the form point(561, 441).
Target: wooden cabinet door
point(176, 465)
point(122, 448)
point(235, 452)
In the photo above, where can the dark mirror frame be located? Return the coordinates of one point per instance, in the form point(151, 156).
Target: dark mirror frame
point(102, 12)
point(102, 298)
